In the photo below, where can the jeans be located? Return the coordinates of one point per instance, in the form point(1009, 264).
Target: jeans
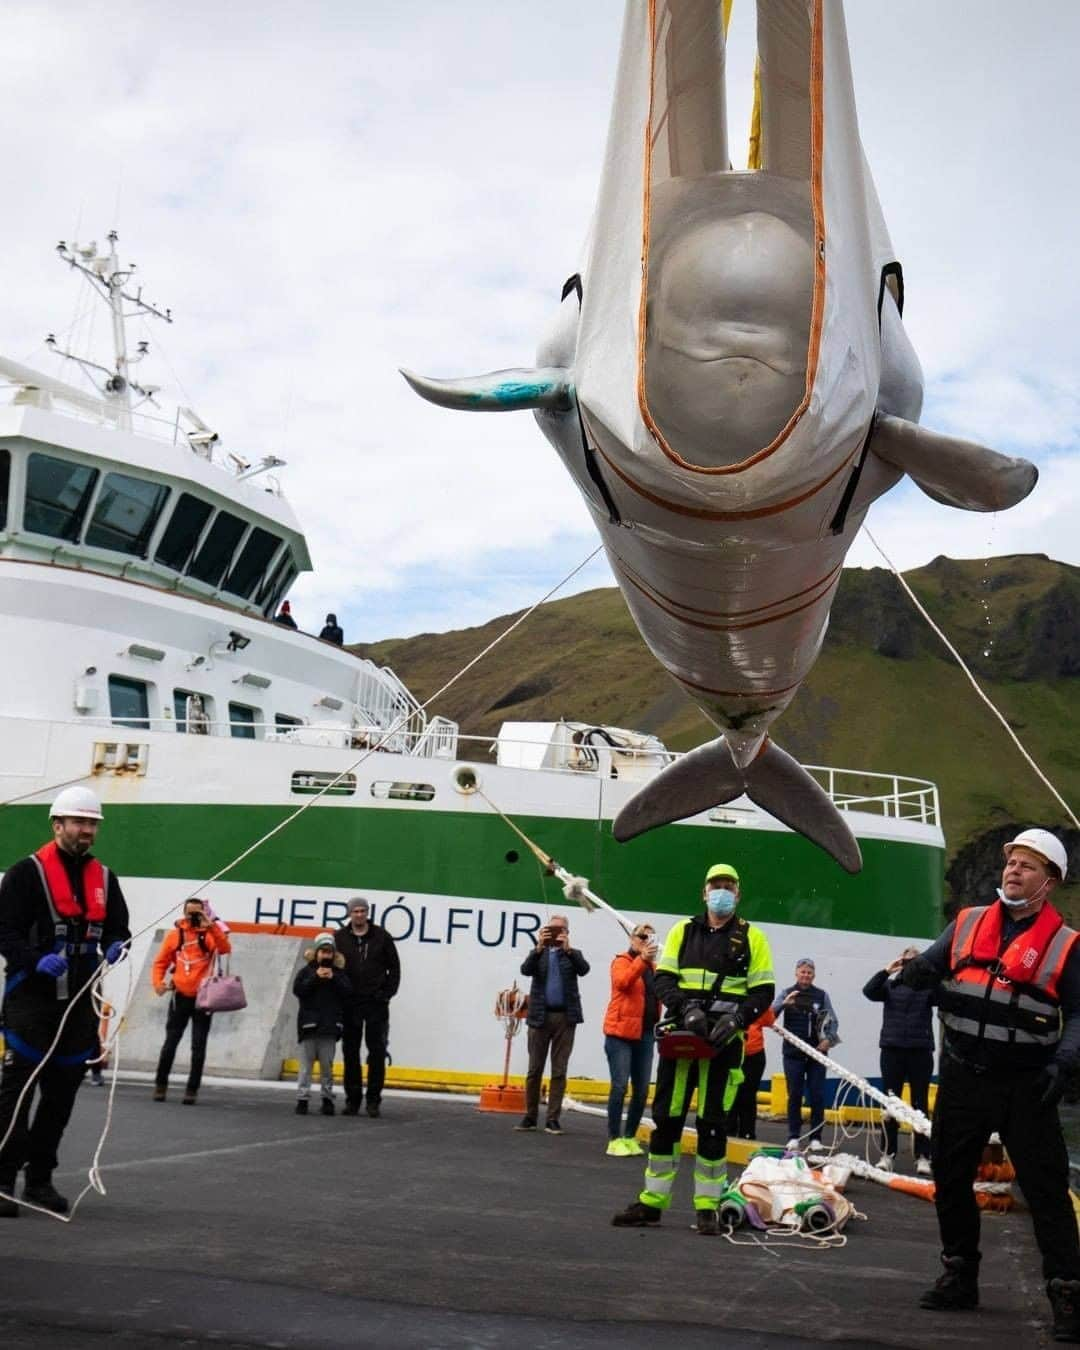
point(899, 1066)
point(314, 1048)
point(557, 1033)
point(628, 1062)
point(182, 1010)
point(807, 1075)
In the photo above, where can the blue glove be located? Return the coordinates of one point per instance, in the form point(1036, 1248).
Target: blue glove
point(114, 951)
point(52, 965)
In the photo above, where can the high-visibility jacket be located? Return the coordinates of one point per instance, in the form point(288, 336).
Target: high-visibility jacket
point(1006, 995)
point(695, 954)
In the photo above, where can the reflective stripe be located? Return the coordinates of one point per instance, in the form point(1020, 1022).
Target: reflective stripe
point(660, 1172)
point(731, 1087)
point(965, 928)
point(1057, 952)
point(710, 1181)
point(970, 1027)
point(680, 1092)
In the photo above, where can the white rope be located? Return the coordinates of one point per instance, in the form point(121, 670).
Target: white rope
point(974, 683)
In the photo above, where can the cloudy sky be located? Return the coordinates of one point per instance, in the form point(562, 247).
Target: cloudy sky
point(323, 192)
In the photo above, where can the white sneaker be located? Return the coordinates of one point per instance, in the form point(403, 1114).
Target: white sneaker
point(885, 1162)
point(793, 1146)
point(923, 1168)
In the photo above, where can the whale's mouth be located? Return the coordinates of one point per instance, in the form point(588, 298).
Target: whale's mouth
point(734, 275)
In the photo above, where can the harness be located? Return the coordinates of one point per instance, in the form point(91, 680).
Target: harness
point(65, 911)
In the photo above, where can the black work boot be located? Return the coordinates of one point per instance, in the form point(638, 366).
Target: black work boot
point(1064, 1298)
point(45, 1194)
point(956, 1289)
point(301, 1107)
point(636, 1215)
point(327, 1107)
point(8, 1208)
point(708, 1223)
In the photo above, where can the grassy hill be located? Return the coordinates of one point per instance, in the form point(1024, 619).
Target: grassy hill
point(884, 694)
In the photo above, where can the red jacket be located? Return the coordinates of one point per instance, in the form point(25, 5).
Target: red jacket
point(189, 951)
point(625, 1014)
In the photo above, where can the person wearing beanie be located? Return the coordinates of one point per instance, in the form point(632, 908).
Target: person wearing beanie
point(323, 990)
point(284, 615)
point(808, 1013)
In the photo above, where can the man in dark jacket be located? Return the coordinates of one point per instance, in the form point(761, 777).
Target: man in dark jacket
point(332, 631)
point(554, 1015)
point(373, 969)
point(60, 909)
point(907, 1051)
point(324, 992)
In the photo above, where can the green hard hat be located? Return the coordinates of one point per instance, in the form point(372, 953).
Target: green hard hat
point(721, 870)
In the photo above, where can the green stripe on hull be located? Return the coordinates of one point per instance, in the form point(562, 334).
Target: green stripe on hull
point(786, 879)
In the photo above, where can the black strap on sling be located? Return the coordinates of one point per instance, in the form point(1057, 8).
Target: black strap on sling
point(573, 284)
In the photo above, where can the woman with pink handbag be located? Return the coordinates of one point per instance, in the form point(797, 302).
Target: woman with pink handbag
point(185, 961)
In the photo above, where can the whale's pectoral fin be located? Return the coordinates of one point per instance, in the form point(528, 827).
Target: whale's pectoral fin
point(709, 777)
point(500, 391)
point(952, 471)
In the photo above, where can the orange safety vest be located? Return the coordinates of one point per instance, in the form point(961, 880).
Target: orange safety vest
point(1009, 995)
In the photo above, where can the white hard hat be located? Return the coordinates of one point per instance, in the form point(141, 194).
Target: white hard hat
point(1045, 844)
point(76, 801)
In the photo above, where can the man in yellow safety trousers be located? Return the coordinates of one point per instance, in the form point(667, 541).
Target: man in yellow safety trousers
point(714, 977)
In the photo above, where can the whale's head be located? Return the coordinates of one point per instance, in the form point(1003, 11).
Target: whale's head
point(728, 312)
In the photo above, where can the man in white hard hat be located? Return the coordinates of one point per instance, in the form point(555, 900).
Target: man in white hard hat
point(1008, 977)
point(61, 911)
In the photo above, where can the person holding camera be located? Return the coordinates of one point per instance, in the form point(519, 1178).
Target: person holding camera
point(184, 960)
point(714, 977)
point(324, 992)
point(554, 1016)
point(907, 1051)
point(1007, 976)
point(808, 1013)
point(628, 1038)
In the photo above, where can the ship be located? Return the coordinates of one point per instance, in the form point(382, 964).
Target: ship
point(143, 566)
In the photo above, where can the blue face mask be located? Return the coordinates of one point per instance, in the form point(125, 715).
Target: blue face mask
point(722, 901)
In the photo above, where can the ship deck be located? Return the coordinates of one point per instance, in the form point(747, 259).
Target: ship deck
point(238, 1223)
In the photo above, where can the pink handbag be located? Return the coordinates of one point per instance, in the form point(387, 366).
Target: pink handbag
point(220, 991)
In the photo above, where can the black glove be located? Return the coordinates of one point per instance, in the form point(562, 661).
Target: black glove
point(725, 1027)
point(1050, 1085)
point(694, 1020)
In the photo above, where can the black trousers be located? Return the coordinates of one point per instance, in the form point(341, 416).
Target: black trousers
point(31, 1025)
point(370, 1021)
point(742, 1118)
point(899, 1066)
point(970, 1106)
point(676, 1083)
point(182, 1010)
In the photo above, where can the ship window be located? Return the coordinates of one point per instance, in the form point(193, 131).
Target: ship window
point(5, 475)
point(403, 792)
point(57, 494)
point(129, 702)
point(182, 532)
point(126, 512)
point(283, 722)
point(252, 562)
point(191, 716)
point(216, 552)
point(277, 583)
point(307, 782)
point(242, 721)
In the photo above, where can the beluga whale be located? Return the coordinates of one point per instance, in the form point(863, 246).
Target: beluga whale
point(728, 380)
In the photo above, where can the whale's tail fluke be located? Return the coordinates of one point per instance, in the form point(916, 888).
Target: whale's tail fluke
point(708, 776)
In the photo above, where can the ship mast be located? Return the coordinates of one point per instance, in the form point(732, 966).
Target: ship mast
point(110, 280)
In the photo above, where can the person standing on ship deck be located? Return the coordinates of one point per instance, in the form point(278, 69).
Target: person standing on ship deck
point(374, 972)
point(59, 909)
point(1007, 976)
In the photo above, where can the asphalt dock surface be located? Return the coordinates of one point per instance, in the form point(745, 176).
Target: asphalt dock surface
point(237, 1223)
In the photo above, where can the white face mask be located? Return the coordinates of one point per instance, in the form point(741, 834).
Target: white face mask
point(1021, 903)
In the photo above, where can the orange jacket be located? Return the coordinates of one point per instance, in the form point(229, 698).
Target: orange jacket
point(625, 1014)
point(755, 1033)
point(189, 953)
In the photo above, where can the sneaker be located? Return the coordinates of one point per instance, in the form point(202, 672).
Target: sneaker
point(188, 1099)
point(792, 1146)
point(957, 1289)
point(301, 1107)
point(923, 1168)
point(97, 1078)
point(615, 1148)
point(159, 1093)
point(327, 1108)
point(1064, 1298)
point(351, 1109)
point(8, 1208)
point(373, 1110)
point(636, 1215)
point(45, 1194)
point(526, 1123)
point(631, 1148)
point(553, 1127)
point(885, 1162)
point(708, 1223)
